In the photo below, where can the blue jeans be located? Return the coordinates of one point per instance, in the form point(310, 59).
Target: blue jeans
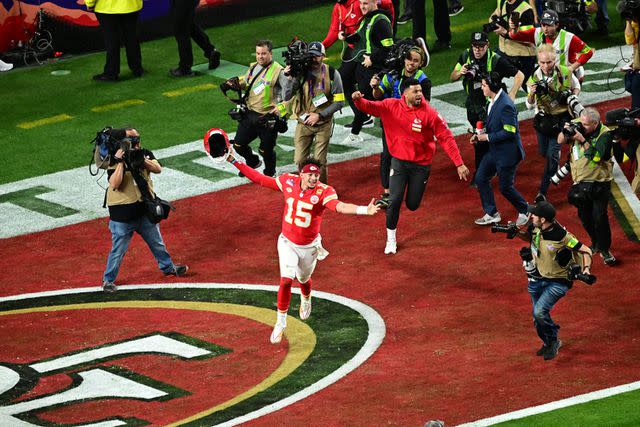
point(548, 148)
point(506, 178)
point(545, 293)
point(121, 234)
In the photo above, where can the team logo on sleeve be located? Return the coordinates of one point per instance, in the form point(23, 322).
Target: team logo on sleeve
point(184, 354)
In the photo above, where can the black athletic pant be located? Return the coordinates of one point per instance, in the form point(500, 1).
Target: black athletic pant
point(347, 72)
point(116, 27)
point(594, 216)
point(441, 22)
point(385, 161)
point(405, 177)
point(363, 78)
point(249, 129)
point(185, 28)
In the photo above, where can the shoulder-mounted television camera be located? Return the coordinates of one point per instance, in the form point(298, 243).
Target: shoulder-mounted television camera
point(297, 56)
point(629, 9)
point(622, 122)
point(572, 14)
point(394, 62)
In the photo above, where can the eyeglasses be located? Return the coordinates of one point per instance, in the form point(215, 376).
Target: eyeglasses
point(479, 46)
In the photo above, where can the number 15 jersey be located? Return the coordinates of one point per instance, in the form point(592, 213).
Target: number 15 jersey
point(303, 210)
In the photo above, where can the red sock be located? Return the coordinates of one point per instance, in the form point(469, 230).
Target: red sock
point(284, 293)
point(305, 288)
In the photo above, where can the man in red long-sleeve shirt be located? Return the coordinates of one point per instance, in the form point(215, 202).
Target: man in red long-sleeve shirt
point(410, 125)
point(300, 243)
point(571, 51)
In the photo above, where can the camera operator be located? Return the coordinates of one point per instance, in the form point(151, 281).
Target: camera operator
point(262, 85)
point(126, 208)
point(591, 149)
point(548, 89)
point(555, 251)
point(516, 13)
point(371, 43)
point(632, 37)
point(573, 52)
point(389, 87)
point(474, 62)
point(318, 95)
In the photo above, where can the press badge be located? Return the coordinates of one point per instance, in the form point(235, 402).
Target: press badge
point(259, 89)
point(319, 99)
point(575, 151)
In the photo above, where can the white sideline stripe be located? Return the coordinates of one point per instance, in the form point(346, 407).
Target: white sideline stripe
point(375, 323)
point(552, 406)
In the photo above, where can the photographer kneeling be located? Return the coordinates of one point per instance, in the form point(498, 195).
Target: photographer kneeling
point(316, 97)
point(126, 208)
point(549, 88)
point(591, 169)
point(554, 251)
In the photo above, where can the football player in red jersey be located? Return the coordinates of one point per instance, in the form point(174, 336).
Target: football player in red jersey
point(300, 243)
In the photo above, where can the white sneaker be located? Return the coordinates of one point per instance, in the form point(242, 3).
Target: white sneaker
point(488, 219)
point(4, 66)
point(522, 219)
point(352, 139)
point(305, 308)
point(278, 332)
point(423, 46)
point(391, 247)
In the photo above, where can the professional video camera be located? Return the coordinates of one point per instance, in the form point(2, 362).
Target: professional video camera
point(629, 9)
point(394, 62)
point(108, 141)
point(495, 22)
point(561, 173)
point(572, 128)
point(575, 273)
point(510, 229)
point(572, 13)
point(297, 56)
point(622, 123)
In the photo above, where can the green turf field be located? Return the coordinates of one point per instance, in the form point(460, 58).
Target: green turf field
point(48, 120)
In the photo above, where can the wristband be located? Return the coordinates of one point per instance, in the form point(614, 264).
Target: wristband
point(362, 210)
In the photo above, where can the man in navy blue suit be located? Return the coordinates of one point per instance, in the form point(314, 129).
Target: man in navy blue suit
point(505, 152)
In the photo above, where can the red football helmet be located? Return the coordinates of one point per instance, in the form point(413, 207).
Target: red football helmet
point(216, 143)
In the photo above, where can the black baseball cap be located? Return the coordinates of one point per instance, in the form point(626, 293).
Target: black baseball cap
point(316, 49)
point(479, 38)
point(549, 17)
point(543, 209)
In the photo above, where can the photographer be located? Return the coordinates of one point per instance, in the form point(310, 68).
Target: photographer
point(389, 87)
point(574, 53)
point(372, 42)
point(262, 86)
point(554, 252)
point(126, 208)
point(591, 169)
point(548, 89)
point(513, 13)
point(318, 95)
point(474, 62)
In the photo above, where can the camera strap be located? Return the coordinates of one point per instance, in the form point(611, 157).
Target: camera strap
point(243, 98)
point(142, 184)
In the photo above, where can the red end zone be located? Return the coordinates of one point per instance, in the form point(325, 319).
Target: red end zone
point(460, 341)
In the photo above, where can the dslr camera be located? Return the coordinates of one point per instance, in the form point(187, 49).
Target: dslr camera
point(573, 127)
point(574, 272)
point(495, 22)
point(510, 229)
point(297, 56)
point(561, 173)
point(542, 87)
point(473, 71)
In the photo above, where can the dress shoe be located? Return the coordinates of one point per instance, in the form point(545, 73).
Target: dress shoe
point(138, 73)
point(105, 78)
point(214, 59)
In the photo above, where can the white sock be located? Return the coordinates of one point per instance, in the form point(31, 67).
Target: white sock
point(391, 235)
point(281, 318)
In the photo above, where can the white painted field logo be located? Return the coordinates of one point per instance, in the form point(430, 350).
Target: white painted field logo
point(179, 354)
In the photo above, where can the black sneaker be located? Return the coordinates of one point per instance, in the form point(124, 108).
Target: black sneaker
point(105, 78)
point(404, 18)
point(552, 350)
point(109, 287)
point(178, 270)
point(441, 45)
point(540, 198)
point(608, 257)
point(214, 59)
point(542, 350)
point(454, 10)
